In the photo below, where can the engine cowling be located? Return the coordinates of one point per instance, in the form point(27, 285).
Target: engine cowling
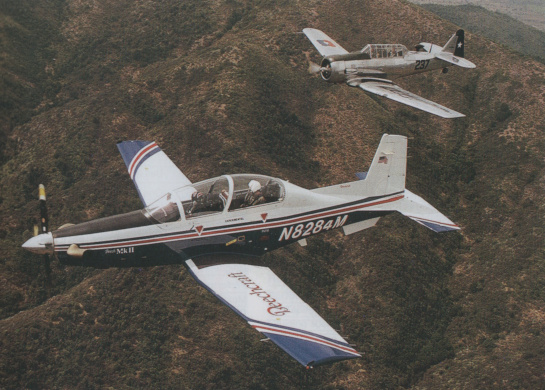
point(333, 71)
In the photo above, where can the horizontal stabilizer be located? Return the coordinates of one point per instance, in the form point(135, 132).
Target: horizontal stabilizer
point(259, 296)
point(398, 94)
point(452, 59)
point(152, 172)
point(417, 209)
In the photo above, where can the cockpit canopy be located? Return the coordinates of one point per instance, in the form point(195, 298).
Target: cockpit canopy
point(216, 195)
point(384, 50)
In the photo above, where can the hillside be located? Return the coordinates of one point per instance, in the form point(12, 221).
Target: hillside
point(495, 26)
point(530, 12)
point(222, 86)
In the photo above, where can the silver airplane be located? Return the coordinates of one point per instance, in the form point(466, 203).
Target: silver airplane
point(213, 226)
point(372, 67)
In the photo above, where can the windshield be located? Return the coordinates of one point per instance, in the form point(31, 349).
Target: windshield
point(253, 190)
point(384, 51)
point(163, 210)
point(207, 197)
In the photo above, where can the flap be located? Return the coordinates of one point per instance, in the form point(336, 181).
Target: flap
point(394, 92)
point(152, 172)
point(272, 308)
point(324, 44)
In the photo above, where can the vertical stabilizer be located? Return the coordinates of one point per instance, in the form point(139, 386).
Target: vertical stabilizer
point(455, 44)
point(387, 172)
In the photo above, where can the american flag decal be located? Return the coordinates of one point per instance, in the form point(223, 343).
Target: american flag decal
point(383, 160)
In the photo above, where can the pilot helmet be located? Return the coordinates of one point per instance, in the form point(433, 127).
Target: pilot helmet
point(254, 185)
point(195, 196)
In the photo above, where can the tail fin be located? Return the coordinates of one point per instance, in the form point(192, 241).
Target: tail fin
point(386, 174)
point(387, 171)
point(455, 44)
point(386, 181)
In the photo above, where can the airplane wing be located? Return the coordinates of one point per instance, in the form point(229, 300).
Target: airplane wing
point(257, 295)
point(324, 44)
point(152, 172)
point(394, 92)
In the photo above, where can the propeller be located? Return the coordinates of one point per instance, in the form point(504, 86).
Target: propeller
point(44, 228)
point(313, 67)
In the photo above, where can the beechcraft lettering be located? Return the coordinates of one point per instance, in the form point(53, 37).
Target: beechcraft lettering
point(241, 213)
point(373, 68)
point(309, 228)
point(275, 308)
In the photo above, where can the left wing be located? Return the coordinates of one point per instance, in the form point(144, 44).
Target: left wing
point(153, 173)
point(324, 44)
point(394, 92)
point(256, 294)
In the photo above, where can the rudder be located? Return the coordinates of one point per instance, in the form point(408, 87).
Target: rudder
point(455, 44)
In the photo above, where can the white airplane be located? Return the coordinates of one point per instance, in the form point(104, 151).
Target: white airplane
point(371, 68)
point(214, 226)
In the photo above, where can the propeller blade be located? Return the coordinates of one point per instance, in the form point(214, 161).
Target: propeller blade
point(313, 67)
point(44, 222)
point(43, 209)
point(47, 266)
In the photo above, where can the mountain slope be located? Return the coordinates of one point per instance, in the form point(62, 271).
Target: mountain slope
point(223, 88)
point(530, 12)
point(495, 26)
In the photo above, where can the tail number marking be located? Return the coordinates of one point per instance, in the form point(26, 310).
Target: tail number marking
point(312, 227)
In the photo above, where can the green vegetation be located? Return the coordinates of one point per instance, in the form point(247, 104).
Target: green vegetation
point(223, 87)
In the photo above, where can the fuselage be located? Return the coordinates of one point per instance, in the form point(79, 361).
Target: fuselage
point(379, 61)
point(177, 231)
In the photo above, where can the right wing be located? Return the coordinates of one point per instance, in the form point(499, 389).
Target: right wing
point(394, 92)
point(257, 295)
point(324, 44)
point(152, 172)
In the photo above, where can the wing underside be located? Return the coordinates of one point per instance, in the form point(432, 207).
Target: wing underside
point(398, 94)
point(257, 295)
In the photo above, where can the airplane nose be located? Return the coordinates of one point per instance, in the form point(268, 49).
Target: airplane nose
point(40, 244)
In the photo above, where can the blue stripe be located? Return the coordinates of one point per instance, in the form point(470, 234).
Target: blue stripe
point(436, 227)
point(129, 149)
point(309, 353)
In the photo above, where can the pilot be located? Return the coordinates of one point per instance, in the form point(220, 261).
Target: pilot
point(197, 200)
point(254, 195)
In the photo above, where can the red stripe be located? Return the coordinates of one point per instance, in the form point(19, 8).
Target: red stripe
point(140, 155)
point(315, 339)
